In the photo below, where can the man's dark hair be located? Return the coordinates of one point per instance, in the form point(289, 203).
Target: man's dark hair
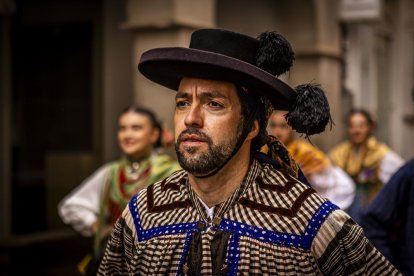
point(249, 101)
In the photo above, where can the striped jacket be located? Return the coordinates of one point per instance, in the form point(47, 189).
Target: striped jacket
point(272, 224)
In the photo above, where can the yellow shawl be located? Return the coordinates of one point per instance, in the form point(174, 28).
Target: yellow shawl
point(310, 159)
point(362, 165)
point(351, 161)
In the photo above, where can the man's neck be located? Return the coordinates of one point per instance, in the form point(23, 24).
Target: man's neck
point(217, 188)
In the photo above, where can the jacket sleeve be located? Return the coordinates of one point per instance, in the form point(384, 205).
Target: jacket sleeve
point(340, 248)
point(119, 252)
point(333, 183)
point(389, 165)
point(81, 207)
point(387, 211)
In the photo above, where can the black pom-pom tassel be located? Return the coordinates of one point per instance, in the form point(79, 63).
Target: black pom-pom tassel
point(310, 113)
point(275, 55)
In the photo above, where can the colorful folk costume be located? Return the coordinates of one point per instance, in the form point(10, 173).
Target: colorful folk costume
point(272, 224)
point(371, 167)
point(327, 179)
point(102, 197)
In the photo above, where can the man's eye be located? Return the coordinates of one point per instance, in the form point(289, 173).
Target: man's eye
point(179, 104)
point(214, 104)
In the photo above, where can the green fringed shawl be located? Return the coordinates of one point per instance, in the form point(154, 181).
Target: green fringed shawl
point(123, 181)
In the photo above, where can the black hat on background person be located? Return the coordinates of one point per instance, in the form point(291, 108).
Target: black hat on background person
point(253, 65)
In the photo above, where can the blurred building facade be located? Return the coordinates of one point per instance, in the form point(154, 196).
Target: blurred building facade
point(69, 67)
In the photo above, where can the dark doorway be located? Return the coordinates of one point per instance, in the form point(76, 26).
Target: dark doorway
point(52, 109)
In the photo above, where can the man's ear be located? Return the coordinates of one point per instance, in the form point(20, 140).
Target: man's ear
point(254, 131)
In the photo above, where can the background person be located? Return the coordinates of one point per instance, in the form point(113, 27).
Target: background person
point(389, 219)
point(94, 206)
point(328, 180)
point(369, 162)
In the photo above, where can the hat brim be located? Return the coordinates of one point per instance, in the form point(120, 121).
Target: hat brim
point(167, 66)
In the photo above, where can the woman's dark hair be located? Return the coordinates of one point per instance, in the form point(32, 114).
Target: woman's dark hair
point(151, 116)
point(364, 113)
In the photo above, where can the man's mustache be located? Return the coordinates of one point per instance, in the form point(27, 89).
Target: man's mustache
point(194, 131)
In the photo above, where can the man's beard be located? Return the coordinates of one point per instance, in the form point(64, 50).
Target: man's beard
point(203, 163)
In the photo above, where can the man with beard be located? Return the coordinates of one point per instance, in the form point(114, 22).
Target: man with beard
point(233, 210)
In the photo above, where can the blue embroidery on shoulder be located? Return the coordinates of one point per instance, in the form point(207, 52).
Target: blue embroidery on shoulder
point(237, 229)
point(316, 222)
point(133, 208)
point(171, 229)
point(260, 234)
point(303, 240)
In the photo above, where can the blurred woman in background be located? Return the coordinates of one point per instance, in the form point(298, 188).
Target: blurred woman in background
point(93, 207)
point(328, 180)
point(369, 162)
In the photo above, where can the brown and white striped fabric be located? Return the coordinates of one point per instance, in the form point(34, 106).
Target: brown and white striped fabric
point(272, 224)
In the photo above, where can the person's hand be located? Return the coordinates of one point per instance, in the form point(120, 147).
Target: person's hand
point(94, 227)
point(107, 231)
point(104, 232)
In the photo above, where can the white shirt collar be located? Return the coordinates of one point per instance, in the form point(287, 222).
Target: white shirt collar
point(210, 211)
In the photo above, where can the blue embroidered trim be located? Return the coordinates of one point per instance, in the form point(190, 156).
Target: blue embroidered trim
point(184, 253)
point(316, 222)
point(166, 230)
point(171, 229)
point(273, 237)
point(133, 208)
point(303, 240)
point(233, 254)
point(237, 229)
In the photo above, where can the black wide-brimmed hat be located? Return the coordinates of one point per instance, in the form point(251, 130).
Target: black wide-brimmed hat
point(226, 56)
point(253, 64)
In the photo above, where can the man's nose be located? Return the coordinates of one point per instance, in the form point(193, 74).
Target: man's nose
point(194, 116)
